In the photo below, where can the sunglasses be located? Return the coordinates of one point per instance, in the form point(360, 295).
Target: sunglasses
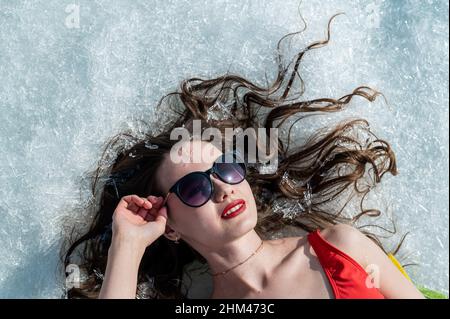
point(196, 188)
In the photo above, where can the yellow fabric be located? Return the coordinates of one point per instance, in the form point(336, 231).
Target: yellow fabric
point(396, 263)
point(428, 293)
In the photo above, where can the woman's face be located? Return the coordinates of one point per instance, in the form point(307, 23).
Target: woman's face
point(204, 225)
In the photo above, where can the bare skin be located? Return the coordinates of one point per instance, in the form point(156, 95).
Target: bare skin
point(284, 268)
point(295, 274)
point(298, 273)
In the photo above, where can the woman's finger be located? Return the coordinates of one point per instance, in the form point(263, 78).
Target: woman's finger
point(162, 216)
point(134, 203)
point(133, 199)
point(155, 200)
point(157, 203)
point(149, 217)
point(131, 202)
point(143, 213)
point(144, 208)
point(163, 212)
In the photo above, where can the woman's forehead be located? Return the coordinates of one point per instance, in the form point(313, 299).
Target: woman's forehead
point(198, 152)
point(198, 157)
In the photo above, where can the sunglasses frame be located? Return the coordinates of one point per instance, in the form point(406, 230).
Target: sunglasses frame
point(213, 170)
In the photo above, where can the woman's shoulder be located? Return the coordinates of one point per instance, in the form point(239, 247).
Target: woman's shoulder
point(342, 235)
point(346, 238)
point(349, 240)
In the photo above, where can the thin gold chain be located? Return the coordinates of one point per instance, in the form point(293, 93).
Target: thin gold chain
point(224, 272)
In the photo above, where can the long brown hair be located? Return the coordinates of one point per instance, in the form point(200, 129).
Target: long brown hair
point(309, 182)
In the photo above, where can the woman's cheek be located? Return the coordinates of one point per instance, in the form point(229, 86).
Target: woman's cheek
point(247, 192)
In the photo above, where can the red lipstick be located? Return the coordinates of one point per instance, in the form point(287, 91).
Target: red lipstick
point(233, 209)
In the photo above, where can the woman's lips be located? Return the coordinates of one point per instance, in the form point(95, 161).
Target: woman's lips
point(234, 209)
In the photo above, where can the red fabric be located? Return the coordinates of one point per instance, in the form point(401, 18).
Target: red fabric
point(346, 276)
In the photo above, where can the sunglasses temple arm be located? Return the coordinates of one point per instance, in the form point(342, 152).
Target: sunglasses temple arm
point(165, 199)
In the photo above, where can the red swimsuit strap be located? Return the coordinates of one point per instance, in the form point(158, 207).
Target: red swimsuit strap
point(346, 276)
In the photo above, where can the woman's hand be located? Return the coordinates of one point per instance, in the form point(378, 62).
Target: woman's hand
point(139, 220)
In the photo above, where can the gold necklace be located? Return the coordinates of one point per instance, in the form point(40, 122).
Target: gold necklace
point(224, 272)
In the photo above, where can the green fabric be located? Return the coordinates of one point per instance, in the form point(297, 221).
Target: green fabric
point(432, 294)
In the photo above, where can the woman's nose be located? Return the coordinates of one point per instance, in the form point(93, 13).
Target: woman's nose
point(221, 190)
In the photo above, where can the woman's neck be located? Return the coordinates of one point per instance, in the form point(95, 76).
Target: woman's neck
point(251, 275)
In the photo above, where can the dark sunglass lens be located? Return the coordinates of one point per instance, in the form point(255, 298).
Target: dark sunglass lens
point(231, 173)
point(195, 189)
